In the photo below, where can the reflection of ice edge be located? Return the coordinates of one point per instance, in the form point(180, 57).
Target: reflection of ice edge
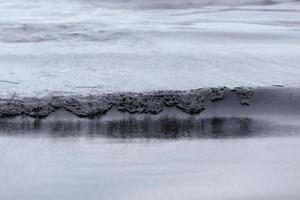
point(191, 102)
point(132, 127)
point(147, 126)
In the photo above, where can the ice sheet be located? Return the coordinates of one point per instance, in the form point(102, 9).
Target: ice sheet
point(84, 47)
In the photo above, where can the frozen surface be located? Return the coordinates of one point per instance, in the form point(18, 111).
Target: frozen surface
point(77, 46)
point(90, 168)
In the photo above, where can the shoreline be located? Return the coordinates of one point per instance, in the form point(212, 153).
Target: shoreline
point(240, 100)
point(190, 101)
point(199, 113)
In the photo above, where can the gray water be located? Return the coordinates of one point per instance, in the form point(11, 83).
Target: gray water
point(75, 168)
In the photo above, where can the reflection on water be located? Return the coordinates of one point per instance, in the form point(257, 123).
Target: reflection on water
point(175, 128)
point(147, 127)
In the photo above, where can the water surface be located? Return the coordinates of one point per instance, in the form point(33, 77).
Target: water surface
point(92, 167)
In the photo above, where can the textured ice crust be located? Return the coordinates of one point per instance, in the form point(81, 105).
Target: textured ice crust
point(191, 102)
point(82, 47)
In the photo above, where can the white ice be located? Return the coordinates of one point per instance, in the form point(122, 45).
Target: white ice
point(81, 47)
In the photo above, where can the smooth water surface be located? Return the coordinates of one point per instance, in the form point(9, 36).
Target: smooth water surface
point(76, 168)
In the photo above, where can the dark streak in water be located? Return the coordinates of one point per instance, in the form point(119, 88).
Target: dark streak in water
point(164, 127)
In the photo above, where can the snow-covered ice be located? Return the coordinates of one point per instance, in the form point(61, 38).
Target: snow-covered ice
point(76, 46)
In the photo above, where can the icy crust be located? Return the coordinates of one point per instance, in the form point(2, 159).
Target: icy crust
point(191, 102)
